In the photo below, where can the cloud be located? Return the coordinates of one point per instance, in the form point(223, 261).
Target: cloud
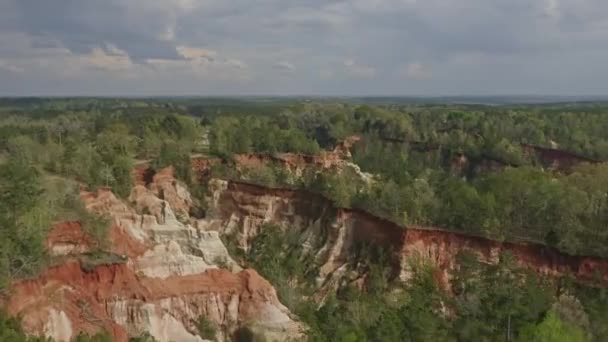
point(359, 70)
point(111, 58)
point(61, 63)
point(200, 63)
point(4, 65)
point(175, 46)
point(236, 63)
point(326, 74)
point(284, 66)
point(551, 9)
point(416, 71)
point(195, 53)
point(329, 16)
point(168, 34)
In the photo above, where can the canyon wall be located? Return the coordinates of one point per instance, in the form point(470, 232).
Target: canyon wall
point(242, 209)
point(164, 268)
point(556, 159)
point(159, 274)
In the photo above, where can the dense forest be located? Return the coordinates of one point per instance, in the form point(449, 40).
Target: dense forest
point(479, 170)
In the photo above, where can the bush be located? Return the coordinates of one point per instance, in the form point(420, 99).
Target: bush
point(89, 261)
point(145, 337)
point(102, 336)
point(206, 328)
point(10, 330)
point(246, 334)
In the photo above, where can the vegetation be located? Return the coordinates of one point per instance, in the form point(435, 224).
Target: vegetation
point(412, 152)
point(279, 257)
point(102, 336)
point(464, 168)
point(145, 337)
point(206, 329)
point(10, 330)
point(489, 302)
point(246, 334)
point(89, 261)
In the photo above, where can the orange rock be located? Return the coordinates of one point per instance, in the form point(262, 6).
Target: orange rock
point(68, 238)
point(90, 300)
point(256, 204)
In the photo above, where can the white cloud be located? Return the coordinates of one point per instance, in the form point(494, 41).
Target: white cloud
point(236, 63)
point(108, 62)
point(284, 66)
point(111, 59)
point(359, 70)
point(4, 65)
point(416, 71)
point(61, 63)
point(201, 63)
point(189, 52)
point(551, 9)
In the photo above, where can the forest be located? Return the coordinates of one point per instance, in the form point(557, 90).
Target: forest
point(533, 173)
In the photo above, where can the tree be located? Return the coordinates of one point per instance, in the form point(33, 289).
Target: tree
point(553, 329)
point(495, 302)
point(11, 331)
point(173, 154)
point(121, 169)
point(464, 208)
point(19, 189)
point(20, 246)
point(106, 174)
point(145, 337)
point(150, 144)
point(25, 149)
point(115, 141)
point(420, 315)
point(101, 336)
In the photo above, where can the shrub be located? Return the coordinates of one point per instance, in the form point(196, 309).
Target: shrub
point(206, 328)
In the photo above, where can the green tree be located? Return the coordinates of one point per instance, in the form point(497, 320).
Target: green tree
point(21, 246)
point(496, 301)
point(11, 331)
point(121, 169)
point(101, 336)
point(150, 144)
point(553, 329)
point(19, 190)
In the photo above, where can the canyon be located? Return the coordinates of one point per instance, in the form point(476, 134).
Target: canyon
point(244, 208)
point(162, 276)
point(166, 265)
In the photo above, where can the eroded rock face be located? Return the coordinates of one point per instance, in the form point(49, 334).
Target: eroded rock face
point(242, 209)
point(174, 247)
point(67, 299)
point(336, 160)
point(174, 273)
point(556, 159)
point(442, 247)
point(68, 238)
point(177, 268)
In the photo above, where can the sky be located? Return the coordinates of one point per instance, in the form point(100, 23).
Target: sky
point(303, 47)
